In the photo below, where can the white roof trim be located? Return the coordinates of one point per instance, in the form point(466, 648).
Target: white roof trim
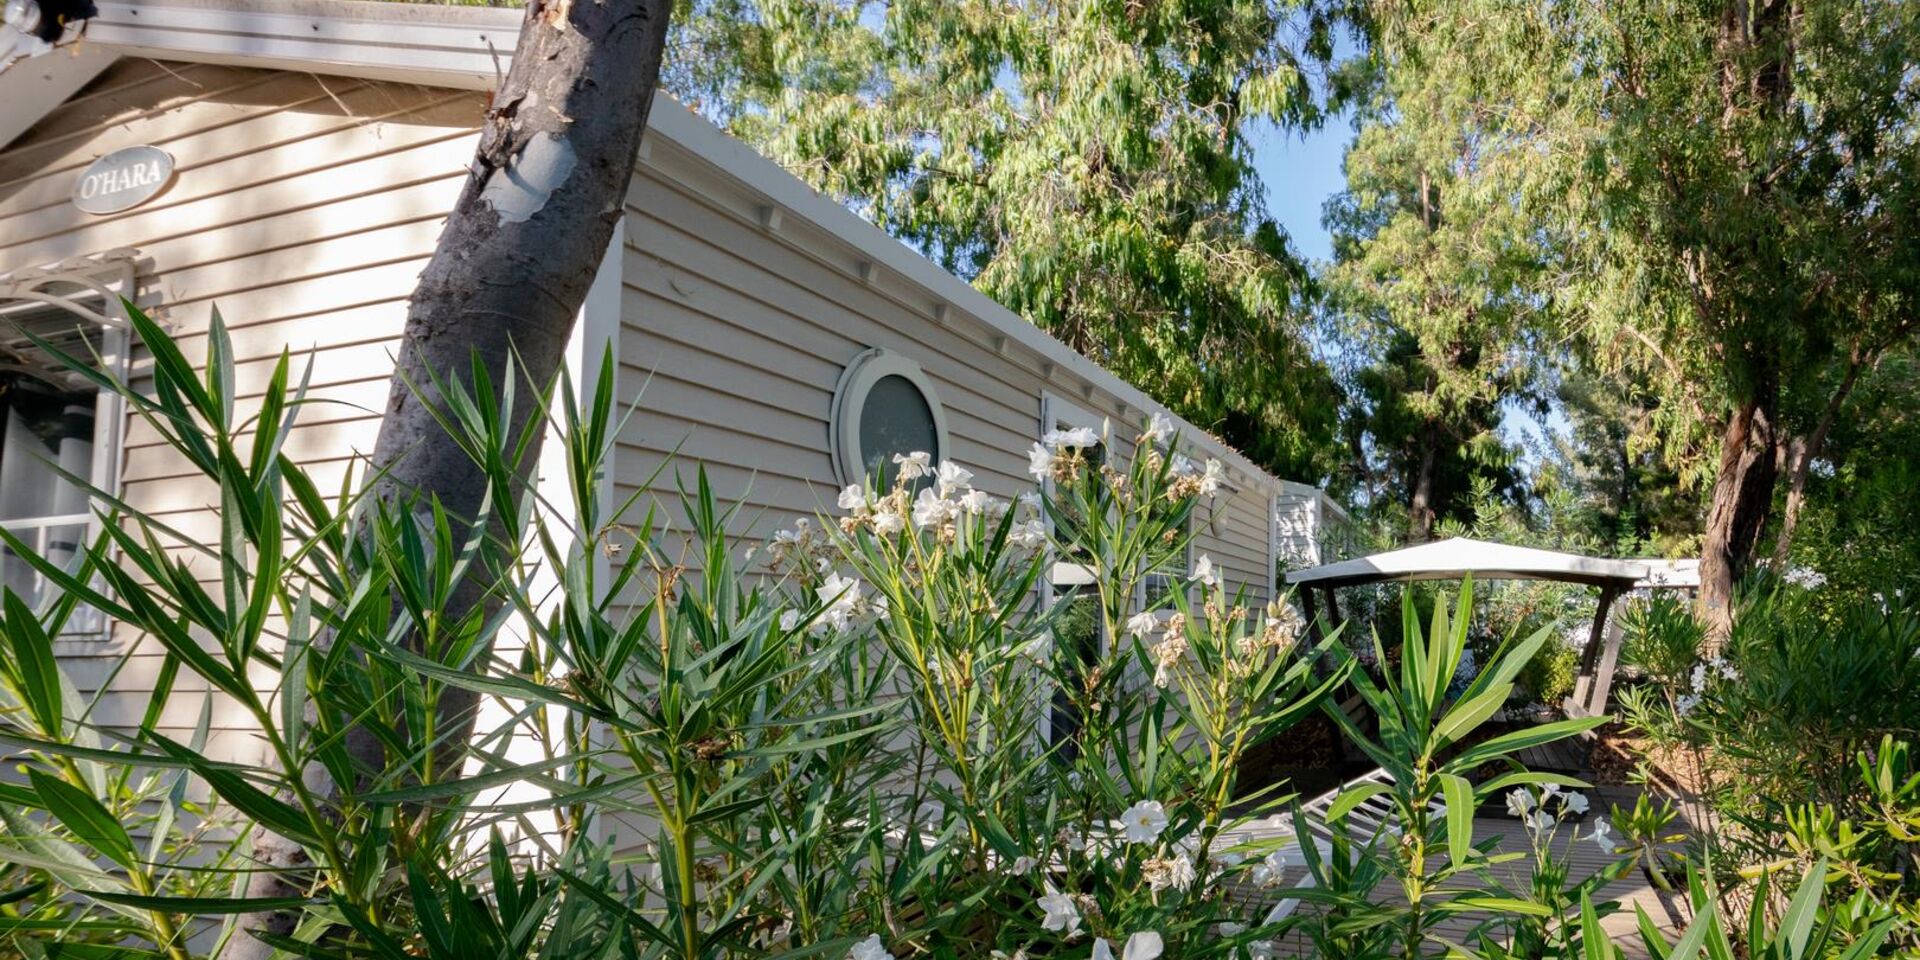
point(31, 87)
point(1458, 557)
point(470, 48)
point(462, 47)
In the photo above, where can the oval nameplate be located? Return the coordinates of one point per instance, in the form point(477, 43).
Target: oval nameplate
point(123, 179)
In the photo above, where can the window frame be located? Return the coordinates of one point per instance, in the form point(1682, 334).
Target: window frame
point(111, 280)
point(857, 381)
point(1059, 413)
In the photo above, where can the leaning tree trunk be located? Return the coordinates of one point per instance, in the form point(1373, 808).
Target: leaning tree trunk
point(1420, 510)
point(1742, 497)
point(511, 270)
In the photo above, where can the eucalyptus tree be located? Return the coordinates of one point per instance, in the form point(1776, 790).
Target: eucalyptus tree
point(1726, 190)
point(1429, 287)
point(1085, 164)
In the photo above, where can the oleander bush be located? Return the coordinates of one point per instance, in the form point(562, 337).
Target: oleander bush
point(877, 734)
point(1796, 732)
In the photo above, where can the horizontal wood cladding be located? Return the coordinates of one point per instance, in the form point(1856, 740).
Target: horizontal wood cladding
point(303, 208)
point(734, 336)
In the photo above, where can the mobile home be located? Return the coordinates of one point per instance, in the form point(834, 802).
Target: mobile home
point(292, 163)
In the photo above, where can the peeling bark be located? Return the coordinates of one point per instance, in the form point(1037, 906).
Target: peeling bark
point(513, 265)
point(1742, 498)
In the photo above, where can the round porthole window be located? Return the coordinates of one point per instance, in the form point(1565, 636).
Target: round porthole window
point(883, 406)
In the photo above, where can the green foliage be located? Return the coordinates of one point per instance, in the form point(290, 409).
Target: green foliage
point(1661, 637)
point(1801, 737)
point(676, 755)
point(1428, 785)
point(1697, 201)
point(1548, 677)
point(1432, 300)
point(1861, 513)
point(1086, 165)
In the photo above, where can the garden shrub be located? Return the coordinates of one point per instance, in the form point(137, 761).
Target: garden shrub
point(1548, 677)
point(839, 744)
point(1662, 637)
point(1798, 733)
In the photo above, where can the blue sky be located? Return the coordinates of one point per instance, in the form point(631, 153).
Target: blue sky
point(1300, 171)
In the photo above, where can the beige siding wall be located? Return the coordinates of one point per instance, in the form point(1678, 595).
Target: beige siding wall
point(735, 333)
point(303, 207)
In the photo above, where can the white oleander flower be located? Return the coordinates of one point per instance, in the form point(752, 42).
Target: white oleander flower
point(844, 605)
point(1519, 802)
point(1602, 835)
point(1145, 945)
point(870, 949)
point(1144, 821)
point(838, 589)
point(1540, 821)
point(978, 503)
point(1212, 478)
point(1061, 913)
point(1143, 623)
point(930, 510)
point(1022, 865)
point(854, 498)
point(913, 465)
point(789, 620)
point(952, 477)
point(889, 523)
point(1078, 438)
point(1028, 534)
point(1203, 572)
point(1159, 429)
point(1040, 462)
point(1576, 802)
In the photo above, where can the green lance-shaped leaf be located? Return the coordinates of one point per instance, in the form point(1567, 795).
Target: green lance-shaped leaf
point(1353, 797)
point(1521, 739)
point(1459, 794)
point(36, 677)
point(255, 804)
point(1594, 942)
point(1796, 925)
point(86, 816)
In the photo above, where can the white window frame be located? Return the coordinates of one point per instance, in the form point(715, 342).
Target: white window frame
point(857, 380)
point(107, 279)
point(1059, 413)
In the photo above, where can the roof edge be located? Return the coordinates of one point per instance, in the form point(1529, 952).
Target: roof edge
point(461, 47)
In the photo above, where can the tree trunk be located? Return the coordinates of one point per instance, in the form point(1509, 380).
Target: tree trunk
point(1742, 498)
point(1801, 456)
point(1420, 512)
point(513, 265)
